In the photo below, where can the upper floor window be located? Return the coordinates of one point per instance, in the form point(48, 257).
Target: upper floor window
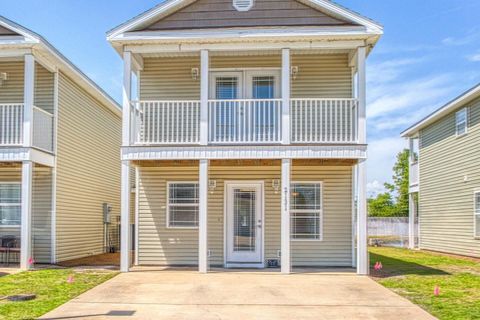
point(306, 211)
point(10, 204)
point(182, 206)
point(476, 214)
point(461, 118)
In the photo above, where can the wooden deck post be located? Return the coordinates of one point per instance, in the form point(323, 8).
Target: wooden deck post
point(362, 232)
point(203, 217)
point(285, 96)
point(204, 75)
point(28, 100)
point(26, 216)
point(125, 234)
point(285, 217)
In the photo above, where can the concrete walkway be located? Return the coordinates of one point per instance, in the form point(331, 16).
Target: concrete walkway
point(238, 295)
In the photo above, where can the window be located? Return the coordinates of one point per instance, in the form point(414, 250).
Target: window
point(10, 204)
point(476, 214)
point(182, 208)
point(306, 211)
point(461, 122)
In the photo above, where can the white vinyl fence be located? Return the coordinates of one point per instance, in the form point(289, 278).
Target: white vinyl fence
point(388, 231)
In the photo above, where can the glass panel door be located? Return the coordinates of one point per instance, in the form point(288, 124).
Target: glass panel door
point(244, 219)
point(244, 224)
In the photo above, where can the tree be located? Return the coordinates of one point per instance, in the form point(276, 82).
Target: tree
point(381, 206)
point(384, 205)
point(400, 183)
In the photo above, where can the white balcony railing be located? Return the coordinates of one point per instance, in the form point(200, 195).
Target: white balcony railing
point(166, 122)
point(323, 120)
point(42, 129)
point(413, 174)
point(245, 121)
point(11, 124)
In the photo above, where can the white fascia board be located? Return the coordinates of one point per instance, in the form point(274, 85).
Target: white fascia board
point(461, 100)
point(245, 33)
point(173, 5)
point(244, 152)
point(18, 154)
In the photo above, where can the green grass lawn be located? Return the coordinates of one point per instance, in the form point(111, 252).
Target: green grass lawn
point(414, 275)
point(51, 288)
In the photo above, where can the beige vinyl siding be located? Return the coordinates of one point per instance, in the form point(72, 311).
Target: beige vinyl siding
point(11, 91)
point(44, 88)
point(222, 14)
point(449, 174)
point(319, 75)
point(169, 79)
point(159, 245)
point(88, 170)
point(41, 209)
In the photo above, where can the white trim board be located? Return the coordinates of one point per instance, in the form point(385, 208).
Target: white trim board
point(26, 154)
point(244, 152)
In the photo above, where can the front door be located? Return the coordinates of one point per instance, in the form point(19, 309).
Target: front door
point(244, 225)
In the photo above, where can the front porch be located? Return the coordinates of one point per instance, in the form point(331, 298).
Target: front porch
point(237, 214)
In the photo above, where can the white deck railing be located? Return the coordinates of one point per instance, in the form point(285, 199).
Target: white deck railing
point(323, 120)
point(166, 122)
point(42, 129)
point(11, 124)
point(245, 121)
point(413, 174)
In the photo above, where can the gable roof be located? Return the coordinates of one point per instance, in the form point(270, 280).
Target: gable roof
point(459, 101)
point(27, 39)
point(170, 6)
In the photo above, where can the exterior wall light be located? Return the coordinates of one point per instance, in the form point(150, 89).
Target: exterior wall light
point(195, 73)
point(3, 77)
point(212, 185)
point(294, 72)
point(276, 185)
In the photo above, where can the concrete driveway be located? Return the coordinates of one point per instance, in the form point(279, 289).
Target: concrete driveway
point(238, 295)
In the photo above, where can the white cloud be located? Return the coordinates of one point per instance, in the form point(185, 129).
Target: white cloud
point(382, 156)
point(474, 57)
point(374, 188)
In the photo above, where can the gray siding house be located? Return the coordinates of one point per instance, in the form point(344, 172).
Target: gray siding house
point(247, 134)
point(445, 177)
point(60, 137)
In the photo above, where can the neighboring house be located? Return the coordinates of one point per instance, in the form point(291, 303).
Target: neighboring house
point(247, 133)
point(445, 177)
point(60, 138)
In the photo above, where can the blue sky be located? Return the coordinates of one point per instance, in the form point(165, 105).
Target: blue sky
point(429, 54)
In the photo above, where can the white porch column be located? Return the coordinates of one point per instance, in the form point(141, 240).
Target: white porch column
point(411, 220)
point(361, 96)
point(285, 216)
point(285, 96)
point(204, 78)
point(26, 216)
point(125, 235)
point(203, 217)
point(127, 97)
point(362, 249)
point(28, 100)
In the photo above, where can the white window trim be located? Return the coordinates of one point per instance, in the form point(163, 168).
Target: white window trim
point(475, 214)
point(466, 122)
point(245, 80)
point(12, 204)
point(167, 200)
point(319, 211)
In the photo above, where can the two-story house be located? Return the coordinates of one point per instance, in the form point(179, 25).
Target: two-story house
point(60, 138)
point(246, 130)
point(445, 177)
